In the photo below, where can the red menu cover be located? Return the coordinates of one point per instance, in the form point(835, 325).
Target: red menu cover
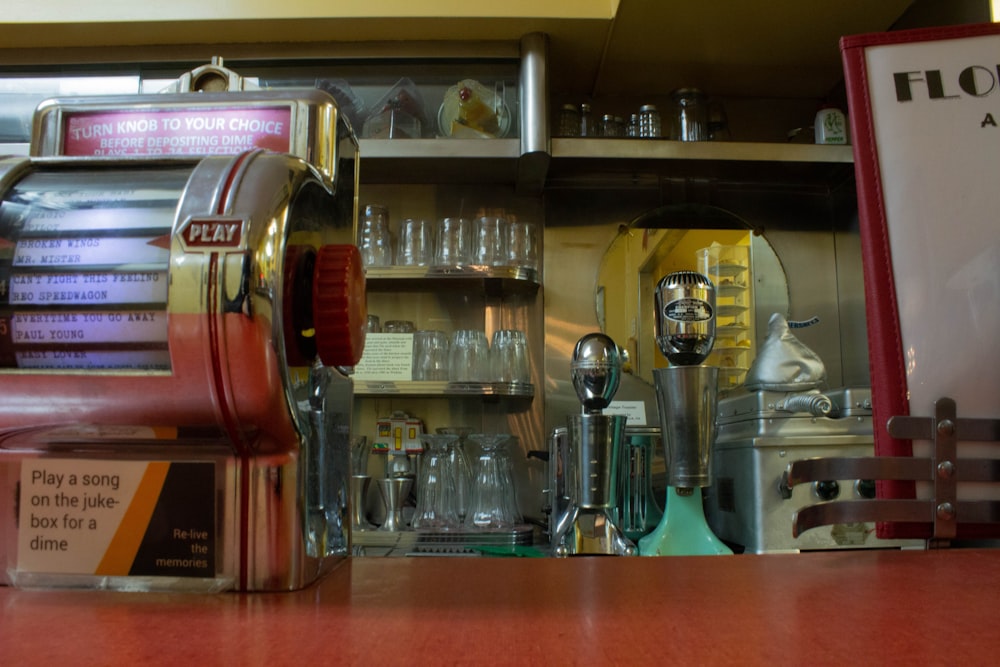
point(924, 107)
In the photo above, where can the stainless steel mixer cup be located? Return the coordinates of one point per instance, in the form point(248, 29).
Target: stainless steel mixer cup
point(588, 527)
point(595, 442)
point(687, 398)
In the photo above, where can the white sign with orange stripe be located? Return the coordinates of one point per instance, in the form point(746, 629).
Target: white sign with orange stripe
point(96, 517)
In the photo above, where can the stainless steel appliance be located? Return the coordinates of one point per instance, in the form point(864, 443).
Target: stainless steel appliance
point(687, 400)
point(175, 408)
point(750, 504)
point(589, 454)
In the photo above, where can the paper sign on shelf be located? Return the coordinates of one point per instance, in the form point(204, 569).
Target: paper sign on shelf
point(387, 357)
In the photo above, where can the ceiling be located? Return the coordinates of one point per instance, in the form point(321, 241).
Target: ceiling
point(778, 48)
point(729, 48)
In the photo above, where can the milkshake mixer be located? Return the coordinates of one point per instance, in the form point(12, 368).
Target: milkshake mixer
point(591, 456)
point(687, 399)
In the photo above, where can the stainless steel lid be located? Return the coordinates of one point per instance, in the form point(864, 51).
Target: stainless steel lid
point(841, 411)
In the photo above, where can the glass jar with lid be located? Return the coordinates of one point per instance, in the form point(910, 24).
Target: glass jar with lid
point(569, 121)
point(650, 126)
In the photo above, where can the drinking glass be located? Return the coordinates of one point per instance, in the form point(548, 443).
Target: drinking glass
point(359, 455)
point(469, 356)
point(453, 242)
point(460, 464)
point(492, 499)
point(416, 246)
point(522, 244)
point(373, 324)
point(375, 240)
point(398, 326)
point(430, 355)
point(509, 356)
point(489, 241)
point(437, 496)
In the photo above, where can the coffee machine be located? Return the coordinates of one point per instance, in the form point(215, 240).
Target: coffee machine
point(687, 399)
point(588, 453)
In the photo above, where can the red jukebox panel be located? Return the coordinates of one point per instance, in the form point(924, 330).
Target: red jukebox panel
point(925, 113)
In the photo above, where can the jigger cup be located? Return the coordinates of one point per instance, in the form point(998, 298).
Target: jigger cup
point(688, 400)
point(394, 492)
point(359, 491)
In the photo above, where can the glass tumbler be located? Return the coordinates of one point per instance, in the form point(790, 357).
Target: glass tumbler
point(509, 356)
point(398, 326)
point(437, 497)
point(360, 451)
point(453, 242)
point(469, 356)
point(522, 244)
point(375, 237)
point(416, 244)
point(489, 241)
point(430, 355)
point(492, 500)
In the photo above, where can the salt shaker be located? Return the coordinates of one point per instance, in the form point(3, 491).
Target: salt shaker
point(632, 129)
point(830, 126)
point(608, 127)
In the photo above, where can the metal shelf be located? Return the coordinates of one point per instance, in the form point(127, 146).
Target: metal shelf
point(488, 280)
point(442, 389)
point(500, 160)
point(444, 160)
point(810, 164)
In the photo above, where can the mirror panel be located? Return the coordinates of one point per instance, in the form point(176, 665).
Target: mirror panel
point(749, 277)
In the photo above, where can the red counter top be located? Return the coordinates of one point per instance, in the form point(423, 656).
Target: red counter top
point(848, 607)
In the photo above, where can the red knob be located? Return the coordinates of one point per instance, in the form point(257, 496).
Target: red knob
point(340, 306)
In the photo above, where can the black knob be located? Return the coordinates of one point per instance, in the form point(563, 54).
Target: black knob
point(827, 490)
point(783, 488)
point(865, 488)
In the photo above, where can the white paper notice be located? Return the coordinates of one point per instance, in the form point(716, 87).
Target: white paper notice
point(634, 411)
point(387, 357)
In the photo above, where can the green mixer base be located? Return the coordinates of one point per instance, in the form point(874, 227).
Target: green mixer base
point(683, 530)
